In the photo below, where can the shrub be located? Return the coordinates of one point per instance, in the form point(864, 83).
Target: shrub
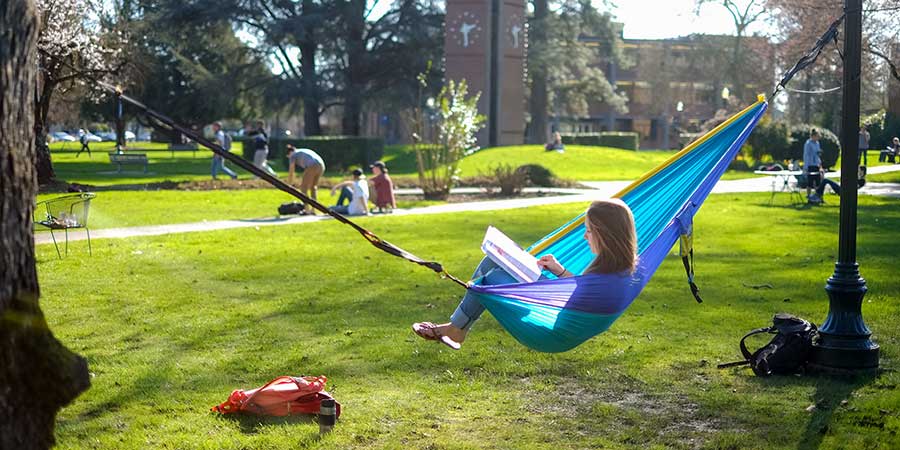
point(627, 140)
point(438, 161)
point(831, 147)
point(339, 152)
point(537, 174)
point(769, 138)
point(511, 180)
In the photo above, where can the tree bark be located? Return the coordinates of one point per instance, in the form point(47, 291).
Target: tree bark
point(38, 375)
point(42, 161)
point(538, 101)
point(309, 81)
point(354, 75)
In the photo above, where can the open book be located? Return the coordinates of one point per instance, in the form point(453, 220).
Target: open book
point(509, 256)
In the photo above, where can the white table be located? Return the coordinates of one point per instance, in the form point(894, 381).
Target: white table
point(783, 180)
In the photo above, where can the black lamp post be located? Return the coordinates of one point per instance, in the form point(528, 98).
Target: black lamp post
point(844, 345)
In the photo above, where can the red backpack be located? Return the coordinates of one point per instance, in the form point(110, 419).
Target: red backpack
point(282, 396)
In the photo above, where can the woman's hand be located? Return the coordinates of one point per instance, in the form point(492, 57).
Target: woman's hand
point(550, 264)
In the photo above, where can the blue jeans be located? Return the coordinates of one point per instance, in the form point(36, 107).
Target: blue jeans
point(346, 196)
point(470, 309)
point(218, 164)
point(834, 186)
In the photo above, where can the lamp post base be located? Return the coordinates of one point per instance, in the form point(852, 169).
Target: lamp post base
point(844, 344)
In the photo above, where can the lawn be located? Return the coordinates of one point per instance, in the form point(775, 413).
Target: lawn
point(113, 209)
point(172, 324)
point(578, 163)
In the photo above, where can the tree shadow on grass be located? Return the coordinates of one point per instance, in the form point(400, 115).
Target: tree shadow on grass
point(830, 394)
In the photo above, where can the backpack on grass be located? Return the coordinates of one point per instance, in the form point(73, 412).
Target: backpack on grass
point(787, 353)
point(282, 396)
point(289, 208)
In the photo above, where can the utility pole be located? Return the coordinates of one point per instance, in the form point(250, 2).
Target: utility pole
point(844, 344)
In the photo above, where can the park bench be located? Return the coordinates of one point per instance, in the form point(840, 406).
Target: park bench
point(120, 159)
point(188, 147)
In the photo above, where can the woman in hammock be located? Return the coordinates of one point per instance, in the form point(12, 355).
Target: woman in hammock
point(609, 230)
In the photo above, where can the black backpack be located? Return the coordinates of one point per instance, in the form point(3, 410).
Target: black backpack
point(291, 208)
point(787, 353)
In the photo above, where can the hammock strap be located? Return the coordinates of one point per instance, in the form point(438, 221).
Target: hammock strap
point(830, 35)
point(373, 239)
point(686, 247)
point(686, 250)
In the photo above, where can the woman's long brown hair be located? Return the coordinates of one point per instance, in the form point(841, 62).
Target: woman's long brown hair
point(612, 229)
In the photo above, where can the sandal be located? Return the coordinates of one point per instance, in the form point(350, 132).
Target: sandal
point(429, 332)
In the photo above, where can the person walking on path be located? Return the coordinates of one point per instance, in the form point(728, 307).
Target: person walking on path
point(609, 230)
point(218, 162)
point(261, 147)
point(863, 146)
point(313, 167)
point(83, 138)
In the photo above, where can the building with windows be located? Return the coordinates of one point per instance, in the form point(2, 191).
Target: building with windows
point(674, 86)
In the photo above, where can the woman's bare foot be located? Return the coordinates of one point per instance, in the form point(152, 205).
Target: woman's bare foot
point(445, 333)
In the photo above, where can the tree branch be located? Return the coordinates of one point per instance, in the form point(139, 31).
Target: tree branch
point(894, 70)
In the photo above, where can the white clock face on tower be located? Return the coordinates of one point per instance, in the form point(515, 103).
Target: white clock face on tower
point(465, 29)
point(515, 31)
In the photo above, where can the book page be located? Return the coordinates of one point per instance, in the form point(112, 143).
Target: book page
point(509, 256)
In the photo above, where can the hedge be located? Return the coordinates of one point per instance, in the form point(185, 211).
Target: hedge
point(770, 138)
point(339, 152)
point(628, 140)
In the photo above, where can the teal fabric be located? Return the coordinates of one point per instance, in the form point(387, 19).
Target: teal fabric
point(557, 315)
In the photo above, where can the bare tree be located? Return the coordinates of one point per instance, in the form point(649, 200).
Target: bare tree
point(743, 13)
point(38, 375)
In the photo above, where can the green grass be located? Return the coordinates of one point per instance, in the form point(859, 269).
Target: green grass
point(578, 163)
point(113, 209)
point(172, 324)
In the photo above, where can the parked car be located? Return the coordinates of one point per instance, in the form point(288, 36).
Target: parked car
point(62, 136)
point(94, 138)
point(107, 136)
point(129, 136)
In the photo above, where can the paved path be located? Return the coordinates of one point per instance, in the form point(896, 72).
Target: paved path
point(596, 190)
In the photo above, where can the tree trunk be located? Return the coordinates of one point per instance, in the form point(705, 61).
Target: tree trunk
point(42, 160)
point(38, 376)
point(737, 66)
point(538, 101)
point(309, 81)
point(355, 21)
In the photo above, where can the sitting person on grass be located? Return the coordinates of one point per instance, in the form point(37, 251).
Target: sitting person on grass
point(555, 143)
point(891, 152)
point(609, 230)
point(358, 190)
point(384, 188)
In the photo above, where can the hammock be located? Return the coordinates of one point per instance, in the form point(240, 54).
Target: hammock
point(556, 315)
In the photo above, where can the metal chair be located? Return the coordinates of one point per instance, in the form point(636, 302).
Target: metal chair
point(65, 213)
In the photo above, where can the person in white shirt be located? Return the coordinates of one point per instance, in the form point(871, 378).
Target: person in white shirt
point(218, 162)
point(359, 189)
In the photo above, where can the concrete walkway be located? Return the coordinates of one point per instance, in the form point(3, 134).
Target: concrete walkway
point(596, 190)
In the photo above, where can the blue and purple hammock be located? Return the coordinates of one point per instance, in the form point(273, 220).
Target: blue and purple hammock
point(556, 315)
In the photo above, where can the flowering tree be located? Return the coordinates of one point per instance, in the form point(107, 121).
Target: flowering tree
point(73, 48)
point(438, 162)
